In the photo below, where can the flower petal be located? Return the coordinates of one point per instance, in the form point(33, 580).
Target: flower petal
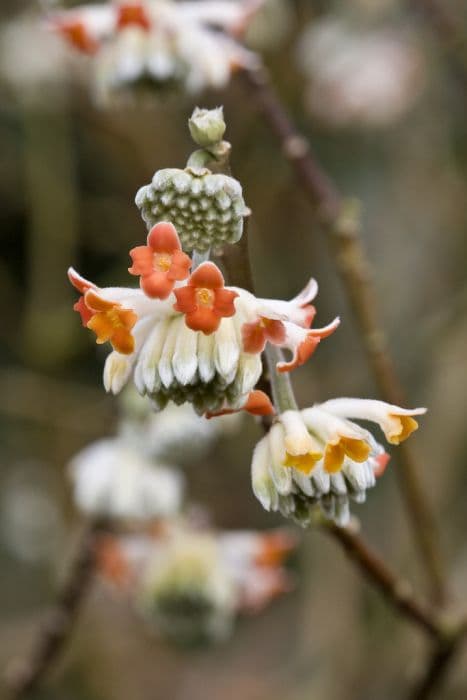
point(207, 275)
point(253, 337)
point(224, 302)
point(156, 285)
point(179, 269)
point(163, 238)
point(142, 257)
point(186, 299)
point(97, 303)
point(78, 282)
point(203, 319)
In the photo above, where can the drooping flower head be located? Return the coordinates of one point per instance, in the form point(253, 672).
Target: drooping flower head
point(318, 456)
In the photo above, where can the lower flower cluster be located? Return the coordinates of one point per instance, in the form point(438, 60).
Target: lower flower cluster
point(190, 584)
point(319, 457)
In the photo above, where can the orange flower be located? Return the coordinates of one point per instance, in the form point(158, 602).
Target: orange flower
point(111, 322)
point(75, 32)
point(256, 334)
point(132, 13)
point(161, 262)
point(204, 300)
point(303, 342)
point(82, 285)
point(257, 404)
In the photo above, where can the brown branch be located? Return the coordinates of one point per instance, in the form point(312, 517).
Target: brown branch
point(339, 220)
point(442, 656)
point(397, 592)
point(449, 32)
point(24, 675)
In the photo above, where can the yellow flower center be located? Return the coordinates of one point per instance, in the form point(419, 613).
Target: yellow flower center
point(335, 453)
point(113, 315)
point(406, 426)
point(304, 463)
point(204, 296)
point(162, 261)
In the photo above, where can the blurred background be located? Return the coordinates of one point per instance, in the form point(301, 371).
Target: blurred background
point(382, 99)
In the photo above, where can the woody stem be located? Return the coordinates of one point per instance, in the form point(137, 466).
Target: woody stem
point(340, 222)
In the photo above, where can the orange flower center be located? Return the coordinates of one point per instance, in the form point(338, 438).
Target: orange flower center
point(162, 261)
point(205, 296)
point(132, 14)
point(113, 315)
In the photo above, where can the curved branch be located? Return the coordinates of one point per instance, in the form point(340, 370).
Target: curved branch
point(26, 674)
point(339, 219)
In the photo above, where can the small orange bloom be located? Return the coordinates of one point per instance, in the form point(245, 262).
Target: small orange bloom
point(258, 404)
point(111, 562)
point(275, 547)
point(132, 13)
point(111, 322)
point(82, 285)
point(204, 300)
point(161, 262)
point(75, 32)
point(304, 344)
point(257, 333)
point(382, 461)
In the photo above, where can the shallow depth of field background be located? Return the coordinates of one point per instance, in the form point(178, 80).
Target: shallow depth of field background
point(68, 176)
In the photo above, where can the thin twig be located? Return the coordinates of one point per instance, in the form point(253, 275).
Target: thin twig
point(397, 591)
point(449, 32)
point(26, 674)
point(442, 657)
point(339, 219)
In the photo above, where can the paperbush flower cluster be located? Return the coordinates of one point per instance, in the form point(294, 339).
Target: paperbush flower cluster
point(184, 335)
point(190, 584)
point(165, 43)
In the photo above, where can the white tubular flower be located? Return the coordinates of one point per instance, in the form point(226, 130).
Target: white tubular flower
point(396, 423)
point(317, 456)
point(165, 42)
point(112, 479)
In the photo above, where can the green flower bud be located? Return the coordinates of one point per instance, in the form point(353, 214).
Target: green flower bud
point(206, 209)
point(207, 126)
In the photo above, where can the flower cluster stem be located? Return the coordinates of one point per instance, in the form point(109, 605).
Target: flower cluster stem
point(281, 386)
point(340, 222)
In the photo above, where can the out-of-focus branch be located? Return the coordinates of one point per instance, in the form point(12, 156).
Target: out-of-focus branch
point(26, 674)
point(449, 32)
point(339, 220)
point(397, 591)
point(442, 656)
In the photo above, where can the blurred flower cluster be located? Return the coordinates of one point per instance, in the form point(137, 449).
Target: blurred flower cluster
point(167, 44)
point(359, 77)
point(188, 579)
point(190, 582)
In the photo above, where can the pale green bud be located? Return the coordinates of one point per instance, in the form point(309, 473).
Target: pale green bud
point(207, 126)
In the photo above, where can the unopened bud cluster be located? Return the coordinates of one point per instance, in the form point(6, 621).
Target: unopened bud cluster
point(207, 209)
